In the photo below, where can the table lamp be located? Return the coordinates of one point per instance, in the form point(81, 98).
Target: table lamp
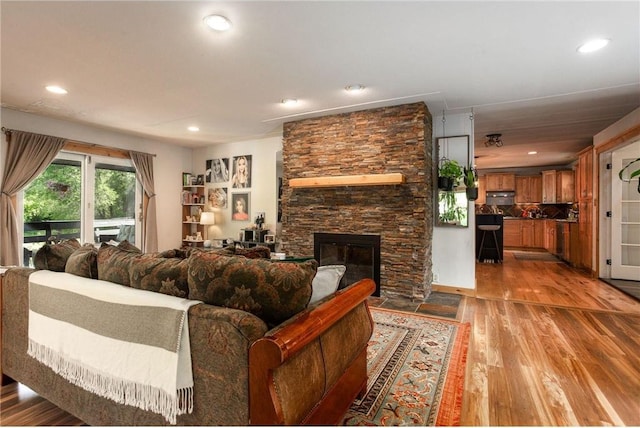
point(207, 218)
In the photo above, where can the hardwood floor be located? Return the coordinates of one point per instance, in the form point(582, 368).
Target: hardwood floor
point(549, 346)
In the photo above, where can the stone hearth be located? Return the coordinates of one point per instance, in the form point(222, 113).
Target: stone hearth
point(378, 141)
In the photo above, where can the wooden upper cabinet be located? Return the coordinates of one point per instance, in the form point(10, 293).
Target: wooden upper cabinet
point(482, 190)
point(565, 187)
point(528, 189)
point(549, 187)
point(585, 174)
point(501, 182)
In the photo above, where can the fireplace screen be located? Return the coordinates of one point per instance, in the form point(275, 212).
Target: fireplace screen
point(359, 253)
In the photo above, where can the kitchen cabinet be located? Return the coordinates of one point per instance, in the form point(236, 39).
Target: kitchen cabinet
point(565, 187)
point(512, 233)
point(571, 251)
point(549, 187)
point(501, 182)
point(524, 233)
point(550, 236)
point(528, 189)
point(558, 187)
point(482, 190)
point(584, 181)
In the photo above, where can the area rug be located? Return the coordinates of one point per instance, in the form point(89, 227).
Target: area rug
point(536, 256)
point(416, 366)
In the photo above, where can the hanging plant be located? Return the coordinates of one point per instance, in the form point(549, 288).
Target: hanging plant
point(470, 181)
point(449, 174)
point(632, 174)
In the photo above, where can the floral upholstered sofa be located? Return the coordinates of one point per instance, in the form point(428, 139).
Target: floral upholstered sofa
point(259, 353)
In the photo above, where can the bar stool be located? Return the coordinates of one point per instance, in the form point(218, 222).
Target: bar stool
point(489, 228)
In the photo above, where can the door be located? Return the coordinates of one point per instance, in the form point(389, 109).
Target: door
point(625, 218)
point(89, 198)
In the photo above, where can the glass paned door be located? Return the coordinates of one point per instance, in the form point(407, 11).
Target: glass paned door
point(625, 198)
point(115, 203)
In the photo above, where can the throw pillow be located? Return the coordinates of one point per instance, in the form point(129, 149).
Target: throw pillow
point(160, 274)
point(128, 246)
point(54, 256)
point(83, 262)
point(326, 281)
point(272, 291)
point(114, 263)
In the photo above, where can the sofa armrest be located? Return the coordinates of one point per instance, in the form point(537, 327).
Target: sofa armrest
point(295, 355)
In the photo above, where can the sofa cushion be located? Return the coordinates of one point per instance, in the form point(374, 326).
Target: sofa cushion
point(83, 262)
point(54, 256)
point(326, 281)
point(114, 263)
point(270, 290)
point(126, 245)
point(160, 274)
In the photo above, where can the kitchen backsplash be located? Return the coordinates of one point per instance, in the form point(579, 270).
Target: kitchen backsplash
point(558, 211)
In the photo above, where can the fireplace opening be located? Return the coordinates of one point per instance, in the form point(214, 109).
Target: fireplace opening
point(359, 253)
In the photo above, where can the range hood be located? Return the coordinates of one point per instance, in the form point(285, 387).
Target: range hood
point(500, 198)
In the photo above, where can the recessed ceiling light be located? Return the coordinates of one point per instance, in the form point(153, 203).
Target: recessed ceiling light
point(593, 45)
point(354, 89)
point(193, 128)
point(56, 89)
point(289, 101)
point(532, 153)
point(217, 22)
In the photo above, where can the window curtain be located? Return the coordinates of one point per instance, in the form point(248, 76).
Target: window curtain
point(144, 172)
point(27, 156)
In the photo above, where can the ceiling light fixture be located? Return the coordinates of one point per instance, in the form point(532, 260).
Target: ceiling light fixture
point(354, 89)
point(289, 101)
point(217, 22)
point(532, 153)
point(193, 128)
point(493, 140)
point(56, 89)
point(593, 45)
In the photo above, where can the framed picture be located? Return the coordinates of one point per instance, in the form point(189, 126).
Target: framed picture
point(218, 197)
point(269, 239)
point(217, 170)
point(200, 180)
point(186, 179)
point(240, 206)
point(241, 178)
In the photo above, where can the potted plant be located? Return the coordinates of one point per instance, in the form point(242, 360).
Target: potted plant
point(632, 174)
point(470, 181)
point(449, 174)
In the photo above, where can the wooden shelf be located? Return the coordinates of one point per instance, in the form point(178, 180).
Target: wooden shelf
point(348, 180)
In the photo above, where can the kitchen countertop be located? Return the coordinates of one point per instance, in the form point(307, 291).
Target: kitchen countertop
point(564, 220)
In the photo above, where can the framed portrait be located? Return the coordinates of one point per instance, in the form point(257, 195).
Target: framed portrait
point(241, 178)
point(269, 239)
point(218, 197)
point(240, 206)
point(200, 180)
point(217, 170)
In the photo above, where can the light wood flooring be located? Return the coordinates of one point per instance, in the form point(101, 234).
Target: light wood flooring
point(549, 346)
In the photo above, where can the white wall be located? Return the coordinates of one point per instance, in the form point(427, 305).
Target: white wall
point(453, 248)
point(263, 191)
point(170, 162)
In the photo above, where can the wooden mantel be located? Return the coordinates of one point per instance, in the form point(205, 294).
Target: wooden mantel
point(348, 180)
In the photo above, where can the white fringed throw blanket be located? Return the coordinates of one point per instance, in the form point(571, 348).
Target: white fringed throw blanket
point(128, 345)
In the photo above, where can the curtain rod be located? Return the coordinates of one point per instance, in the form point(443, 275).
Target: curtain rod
point(8, 131)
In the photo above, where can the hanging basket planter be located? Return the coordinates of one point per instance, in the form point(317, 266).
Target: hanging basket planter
point(472, 193)
point(445, 183)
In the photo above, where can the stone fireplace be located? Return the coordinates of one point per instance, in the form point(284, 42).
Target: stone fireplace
point(386, 140)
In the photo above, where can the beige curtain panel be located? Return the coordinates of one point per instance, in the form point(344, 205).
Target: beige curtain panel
point(27, 156)
point(144, 172)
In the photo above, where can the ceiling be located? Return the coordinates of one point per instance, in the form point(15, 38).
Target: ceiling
point(152, 68)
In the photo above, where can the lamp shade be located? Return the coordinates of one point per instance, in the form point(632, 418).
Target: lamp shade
point(207, 218)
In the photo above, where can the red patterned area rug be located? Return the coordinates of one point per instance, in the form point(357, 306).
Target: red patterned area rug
point(416, 367)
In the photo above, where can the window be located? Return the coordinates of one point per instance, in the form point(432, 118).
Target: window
point(90, 198)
